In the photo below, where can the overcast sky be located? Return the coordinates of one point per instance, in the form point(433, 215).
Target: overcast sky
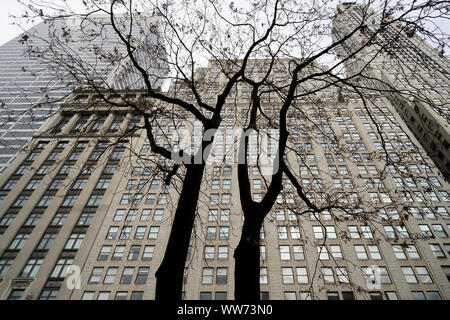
point(8, 31)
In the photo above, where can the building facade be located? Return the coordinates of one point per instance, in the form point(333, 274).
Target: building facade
point(414, 75)
point(30, 89)
point(89, 197)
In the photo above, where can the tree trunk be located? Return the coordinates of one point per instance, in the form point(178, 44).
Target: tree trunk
point(247, 260)
point(169, 276)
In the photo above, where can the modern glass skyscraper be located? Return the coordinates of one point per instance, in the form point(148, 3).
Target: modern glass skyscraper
point(29, 87)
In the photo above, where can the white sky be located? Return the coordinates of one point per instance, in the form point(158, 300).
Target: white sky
point(7, 30)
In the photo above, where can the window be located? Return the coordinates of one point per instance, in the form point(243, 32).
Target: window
point(426, 232)
point(367, 233)
point(59, 219)
point(331, 232)
point(61, 267)
point(205, 295)
point(118, 253)
point(433, 295)
point(221, 275)
point(360, 252)
point(398, 252)
point(305, 295)
point(65, 169)
point(391, 295)
point(423, 275)
point(223, 233)
point(225, 215)
point(19, 241)
point(85, 218)
point(103, 295)
point(16, 294)
point(322, 251)
point(148, 252)
point(222, 253)
point(134, 252)
point(127, 275)
point(209, 252)
point(23, 168)
point(354, 234)
point(342, 275)
point(103, 183)
point(153, 233)
point(110, 276)
point(69, 200)
point(137, 295)
point(390, 233)
point(288, 276)
point(32, 185)
point(94, 200)
point(121, 295)
point(5, 264)
point(20, 201)
point(290, 295)
point(263, 275)
point(49, 294)
point(439, 230)
point(437, 251)
point(56, 184)
point(412, 252)
point(302, 275)
point(207, 276)
point(418, 295)
point(33, 219)
point(285, 253)
point(159, 213)
point(335, 251)
point(7, 219)
point(384, 275)
point(140, 232)
point(145, 216)
point(46, 241)
point(409, 275)
point(318, 232)
point(131, 216)
point(112, 232)
point(125, 233)
point(126, 198)
point(328, 276)
point(298, 252)
point(375, 295)
point(374, 252)
point(74, 241)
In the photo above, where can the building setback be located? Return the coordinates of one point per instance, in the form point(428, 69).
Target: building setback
point(79, 198)
point(414, 74)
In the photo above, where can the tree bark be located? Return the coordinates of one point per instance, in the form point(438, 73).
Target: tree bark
point(169, 276)
point(247, 259)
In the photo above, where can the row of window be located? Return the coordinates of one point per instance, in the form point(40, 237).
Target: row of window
point(126, 277)
point(73, 243)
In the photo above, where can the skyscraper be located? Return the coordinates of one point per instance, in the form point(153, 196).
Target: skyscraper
point(414, 75)
point(30, 88)
point(72, 201)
